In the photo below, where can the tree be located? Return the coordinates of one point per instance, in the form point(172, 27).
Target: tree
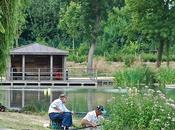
point(154, 19)
point(93, 13)
point(72, 20)
point(20, 19)
point(115, 30)
point(42, 20)
point(8, 22)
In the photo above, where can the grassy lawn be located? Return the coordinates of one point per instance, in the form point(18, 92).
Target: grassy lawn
point(20, 121)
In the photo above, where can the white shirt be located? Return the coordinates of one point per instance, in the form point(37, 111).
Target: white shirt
point(92, 117)
point(57, 104)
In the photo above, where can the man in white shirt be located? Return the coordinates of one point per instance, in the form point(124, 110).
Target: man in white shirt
point(93, 118)
point(59, 112)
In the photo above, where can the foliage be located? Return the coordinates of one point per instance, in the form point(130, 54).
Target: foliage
point(84, 19)
point(131, 77)
point(42, 17)
point(2, 95)
point(8, 22)
point(129, 52)
point(129, 60)
point(79, 55)
point(148, 57)
point(76, 58)
point(141, 111)
point(114, 36)
point(166, 76)
point(150, 19)
point(135, 76)
point(2, 30)
point(36, 106)
point(72, 19)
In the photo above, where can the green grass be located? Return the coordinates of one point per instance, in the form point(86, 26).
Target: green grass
point(20, 121)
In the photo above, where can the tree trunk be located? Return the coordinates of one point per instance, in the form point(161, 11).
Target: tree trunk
point(90, 57)
point(167, 52)
point(94, 36)
point(160, 52)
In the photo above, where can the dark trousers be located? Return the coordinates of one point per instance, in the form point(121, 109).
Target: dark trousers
point(65, 118)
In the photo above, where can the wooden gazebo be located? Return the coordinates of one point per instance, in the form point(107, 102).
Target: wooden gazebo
point(37, 62)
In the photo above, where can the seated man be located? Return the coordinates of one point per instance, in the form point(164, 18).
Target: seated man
point(58, 111)
point(93, 118)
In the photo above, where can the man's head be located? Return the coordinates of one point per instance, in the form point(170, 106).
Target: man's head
point(63, 98)
point(100, 110)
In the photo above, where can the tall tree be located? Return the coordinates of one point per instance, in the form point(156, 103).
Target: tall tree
point(42, 20)
point(8, 21)
point(20, 19)
point(154, 19)
point(89, 14)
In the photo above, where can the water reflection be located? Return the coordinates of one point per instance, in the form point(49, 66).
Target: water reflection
point(80, 100)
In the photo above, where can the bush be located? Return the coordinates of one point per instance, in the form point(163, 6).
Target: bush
point(76, 58)
point(166, 76)
point(131, 77)
point(36, 106)
point(129, 60)
point(148, 57)
point(137, 111)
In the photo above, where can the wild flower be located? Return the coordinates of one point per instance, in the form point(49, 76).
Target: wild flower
point(151, 91)
point(157, 120)
point(173, 119)
point(171, 100)
point(159, 92)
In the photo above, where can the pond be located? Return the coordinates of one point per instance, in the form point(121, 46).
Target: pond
point(170, 93)
point(79, 100)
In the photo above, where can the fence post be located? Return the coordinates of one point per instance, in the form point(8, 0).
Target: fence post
point(67, 74)
point(39, 75)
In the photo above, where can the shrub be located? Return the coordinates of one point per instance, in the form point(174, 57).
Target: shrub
point(141, 111)
point(131, 77)
point(114, 57)
point(129, 60)
point(76, 58)
point(166, 76)
point(148, 57)
point(36, 106)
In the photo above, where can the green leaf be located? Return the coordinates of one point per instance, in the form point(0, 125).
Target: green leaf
point(2, 30)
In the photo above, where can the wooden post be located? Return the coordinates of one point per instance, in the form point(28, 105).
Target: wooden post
point(51, 67)
point(8, 98)
point(64, 68)
point(39, 77)
point(23, 67)
point(39, 95)
point(23, 97)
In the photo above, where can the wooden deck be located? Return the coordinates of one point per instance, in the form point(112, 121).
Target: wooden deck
point(69, 83)
point(72, 82)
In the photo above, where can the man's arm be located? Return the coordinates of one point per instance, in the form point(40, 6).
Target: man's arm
point(57, 109)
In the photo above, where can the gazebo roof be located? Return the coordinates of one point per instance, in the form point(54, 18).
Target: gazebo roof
point(37, 49)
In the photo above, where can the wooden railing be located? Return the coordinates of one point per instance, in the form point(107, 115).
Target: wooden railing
point(41, 74)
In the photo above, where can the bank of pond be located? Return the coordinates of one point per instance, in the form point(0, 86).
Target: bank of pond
point(127, 108)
